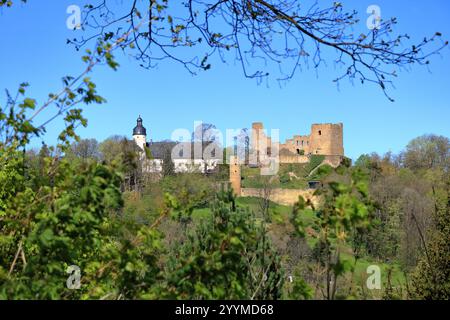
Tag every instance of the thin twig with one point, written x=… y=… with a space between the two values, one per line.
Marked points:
x=19 y=249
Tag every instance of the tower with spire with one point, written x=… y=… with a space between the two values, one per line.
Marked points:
x=140 y=134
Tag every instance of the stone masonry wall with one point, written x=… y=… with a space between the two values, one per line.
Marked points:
x=285 y=197
x=293 y=159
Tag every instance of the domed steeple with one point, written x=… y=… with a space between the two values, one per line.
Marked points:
x=139 y=130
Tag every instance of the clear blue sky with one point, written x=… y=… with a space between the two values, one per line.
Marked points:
x=33 y=49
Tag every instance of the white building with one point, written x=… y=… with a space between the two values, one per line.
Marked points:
x=181 y=153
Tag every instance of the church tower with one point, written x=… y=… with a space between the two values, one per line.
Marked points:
x=140 y=134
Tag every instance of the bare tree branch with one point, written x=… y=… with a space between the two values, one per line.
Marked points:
x=259 y=34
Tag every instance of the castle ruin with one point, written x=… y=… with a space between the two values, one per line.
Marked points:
x=324 y=139
x=261 y=150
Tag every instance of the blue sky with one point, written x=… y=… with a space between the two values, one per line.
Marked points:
x=33 y=49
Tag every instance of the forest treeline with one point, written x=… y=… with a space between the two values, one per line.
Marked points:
x=137 y=235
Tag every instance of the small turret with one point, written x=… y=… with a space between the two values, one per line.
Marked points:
x=140 y=133
x=139 y=130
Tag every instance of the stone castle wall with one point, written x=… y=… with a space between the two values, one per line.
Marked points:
x=293 y=159
x=287 y=197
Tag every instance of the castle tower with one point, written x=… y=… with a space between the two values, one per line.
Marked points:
x=140 y=134
x=257 y=142
x=235 y=175
x=327 y=139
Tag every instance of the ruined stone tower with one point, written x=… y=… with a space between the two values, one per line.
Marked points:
x=326 y=139
x=235 y=175
x=261 y=144
x=257 y=128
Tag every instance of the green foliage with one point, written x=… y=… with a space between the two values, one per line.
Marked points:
x=431 y=279
x=427 y=152
x=11 y=177
x=290 y=176
x=64 y=231
x=9 y=3
x=168 y=167
x=191 y=190
x=84 y=149
x=55 y=212
x=72 y=223
x=225 y=257
x=322 y=172
x=124 y=156
x=148 y=153
x=223 y=172
x=363 y=161
x=299 y=288
x=143 y=207
x=298 y=212
x=346 y=162
x=61 y=206
x=314 y=161
x=345 y=210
